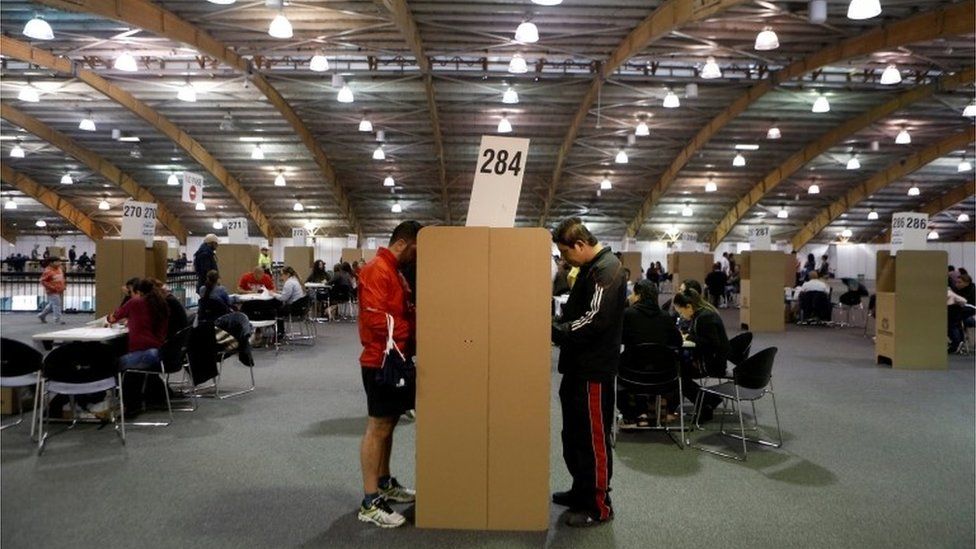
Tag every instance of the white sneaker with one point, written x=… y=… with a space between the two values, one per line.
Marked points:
x=380 y=514
x=398 y=494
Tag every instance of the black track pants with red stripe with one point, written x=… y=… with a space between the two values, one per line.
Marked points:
x=587 y=408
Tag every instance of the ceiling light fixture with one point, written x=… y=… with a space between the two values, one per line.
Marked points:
x=872 y=215
x=200 y=207
x=517 y=65
x=257 y=153
x=642 y=130
x=903 y=137
x=87 y=123
x=527 y=32
x=41 y=223
x=345 y=94
x=687 y=211
x=671 y=100
x=970 y=110
x=606 y=185
x=378 y=154
x=782 y=213
x=38 y=29
x=389 y=181
x=504 y=126
x=298 y=206
x=318 y=63
x=10 y=204
x=222 y=2
x=280 y=27
x=739 y=160
x=510 y=97
x=847 y=233
x=773 y=133
x=933 y=235
x=397 y=208
x=187 y=93
x=747 y=146
x=126 y=63
x=710 y=186
x=821 y=105
x=621 y=157
x=914 y=191
x=547 y=2
x=766 y=40
x=104 y=205
x=863 y=9
x=964 y=166
x=29 y=94
x=813 y=189
x=17 y=152
x=963 y=218
x=890 y=76
x=172 y=180
x=711 y=69
x=853 y=163
x=217 y=225
x=66 y=179
x=129 y=138
x=365 y=125
x=280 y=179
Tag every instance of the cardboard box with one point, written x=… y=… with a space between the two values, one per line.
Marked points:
x=233 y=260
x=300 y=258
x=632 y=261
x=57 y=251
x=910 y=309
x=483 y=391
x=349 y=255
x=118 y=261
x=761 y=291
x=689 y=265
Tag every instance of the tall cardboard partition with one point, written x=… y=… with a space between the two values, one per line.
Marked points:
x=233 y=260
x=761 y=292
x=349 y=255
x=118 y=261
x=300 y=258
x=911 y=311
x=57 y=251
x=632 y=261
x=483 y=386
x=693 y=265
x=157 y=260
x=368 y=254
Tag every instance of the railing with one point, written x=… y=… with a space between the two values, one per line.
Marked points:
x=22 y=291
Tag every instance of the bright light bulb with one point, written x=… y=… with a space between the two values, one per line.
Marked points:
x=863 y=9
x=621 y=157
x=890 y=75
x=365 y=125
x=200 y=207
x=739 y=160
x=642 y=129
x=66 y=179
x=104 y=205
x=517 y=65
x=504 y=126
x=397 y=208
x=963 y=218
x=318 y=63
x=547 y=2
x=257 y=153
x=872 y=215
x=389 y=182
x=41 y=223
x=17 y=152
x=126 y=63
x=172 y=180
x=298 y=207
x=280 y=27
x=782 y=213
x=29 y=94
x=821 y=105
x=527 y=32
x=766 y=40
x=38 y=29
x=773 y=133
x=510 y=97
x=606 y=185
x=87 y=124
x=222 y=2
x=344 y=95
x=378 y=154
x=847 y=233
x=280 y=179
x=10 y=205
x=187 y=93
x=813 y=189
x=671 y=101
x=218 y=225
x=687 y=211
x=964 y=166
x=710 y=186
x=970 y=110
x=711 y=69
x=853 y=163
x=914 y=191
x=933 y=235
x=903 y=137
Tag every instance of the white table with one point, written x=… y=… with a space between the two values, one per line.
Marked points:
x=688 y=344
x=263 y=296
x=317 y=285
x=46 y=339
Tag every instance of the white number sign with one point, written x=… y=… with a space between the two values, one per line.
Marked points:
x=759 y=238
x=497 y=181
x=237 y=230
x=139 y=221
x=299 y=237
x=909 y=231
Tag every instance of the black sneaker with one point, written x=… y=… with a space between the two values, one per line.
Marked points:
x=585 y=520
x=566 y=499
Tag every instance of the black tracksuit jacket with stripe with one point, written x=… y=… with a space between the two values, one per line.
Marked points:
x=589 y=330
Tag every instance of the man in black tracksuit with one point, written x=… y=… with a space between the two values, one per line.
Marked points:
x=588 y=334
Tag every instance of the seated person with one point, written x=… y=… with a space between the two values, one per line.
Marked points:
x=255 y=281
x=128 y=288
x=644 y=322
x=178 y=318
x=960 y=311
x=814 y=298
x=711 y=352
x=291 y=291
x=214 y=300
x=148 y=316
x=318 y=274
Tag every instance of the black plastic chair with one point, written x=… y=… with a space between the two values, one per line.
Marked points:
x=172 y=359
x=298 y=312
x=739 y=347
x=20 y=366
x=815 y=308
x=79 y=368
x=651 y=370
x=752 y=380
x=206 y=361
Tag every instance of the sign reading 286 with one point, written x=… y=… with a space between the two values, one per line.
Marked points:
x=499 y=162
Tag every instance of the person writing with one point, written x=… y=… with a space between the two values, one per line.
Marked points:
x=147 y=314
x=588 y=334
x=291 y=291
x=318 y=274
x=384 y=291
x=54 y=283
x=255 y=281
x=214 y=300
x=711 y=352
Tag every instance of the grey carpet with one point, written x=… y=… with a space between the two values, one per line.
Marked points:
x=873 y=458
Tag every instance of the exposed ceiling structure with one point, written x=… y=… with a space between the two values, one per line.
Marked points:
x=430 y=78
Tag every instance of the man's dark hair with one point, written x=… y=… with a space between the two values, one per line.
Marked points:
x=407 y=231
x=572 y=230
x=646 y=291
x=692 y=284
x=952 y=267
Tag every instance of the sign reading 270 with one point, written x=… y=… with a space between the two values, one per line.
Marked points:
x=500 y=161
x=138 y=211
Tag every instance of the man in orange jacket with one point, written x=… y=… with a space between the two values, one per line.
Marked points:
x=54 y=283
x=384 y=291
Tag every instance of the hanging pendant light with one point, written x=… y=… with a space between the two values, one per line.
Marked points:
x=890 y=75
x=257 y=153
x=527 y=32
x=687 y=211
x=766 y=40
x=813 y=189
x=642 y=130
x=200 y=207
x=280 y=179
x=853 y=163
x=172 y=180
x=126 y=63
x=510 y=97
x=397 y=208
x=710 y=186
x=187 y=93
x=863 y=9
x=847 y=233
x=222 y=2
x=518 y=65
x=38 y=29
x=821 y=105
x=970 y=110
x=782 y=213
x=671 y=100
x=773 y=133
x=872 y=215
x=963 y=218
x=711 y=69
x=606 y=185
x=621 y=157
x=318 y=63
x=964 y=166
x=365 y=125
x=739 y=160
x=933 y=235
x=298 y=206
x=389 y=182
x=17 y=152
x=504 y=126
x=345 y=94
x=10 y=204
x=104 y=205
x=914 y=191
x=217 y=225
x=41 y=223
x=29 y=94
x=547 y=2
x=87 y=123
x=67 y=180
x=903 y=137
x=280 y=27
x=378 y=154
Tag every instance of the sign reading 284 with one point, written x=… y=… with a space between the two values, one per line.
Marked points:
x=501 y=161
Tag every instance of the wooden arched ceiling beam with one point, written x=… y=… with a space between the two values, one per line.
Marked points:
x=954 y=196
x=152 y=18
x=828 y=140
x=660 y=23
x=956 y=19
x=23 y=51
x=8 y=233
x=405 y=23
x=52 y=200
x=97 y=164
x=880 y=180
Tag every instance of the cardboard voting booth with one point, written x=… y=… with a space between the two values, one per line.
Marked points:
x=632 y=262
x=233 y=260
x=120 y=260
x=349 y=255
x=693 y=265
x=483 y=378
x=911 y=309
x=761 y=279
x=300 y=258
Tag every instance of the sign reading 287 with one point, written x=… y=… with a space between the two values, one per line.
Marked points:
x=501 y=161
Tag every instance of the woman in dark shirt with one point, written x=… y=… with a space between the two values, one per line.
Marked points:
x=148 y=315
x=710 y=354
x=214 y=300
x=318 y=273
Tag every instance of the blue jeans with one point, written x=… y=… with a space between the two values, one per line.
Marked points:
x=53 y=306
x=140 y=360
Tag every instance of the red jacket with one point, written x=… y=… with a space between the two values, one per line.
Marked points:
x=382 y=289
x=53 y=280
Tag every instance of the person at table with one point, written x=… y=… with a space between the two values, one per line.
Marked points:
x=264 y=259
x=84 y=262
x=147 y=316
x=205 y=258
x=318 y=275
x=128 y=288
x=54 y=283
x=214 y=300
x=178 y=318
x=710 y=354
x=644 y=322
x=254 y=281
x=960 y=311
x=291 y=291
x=716 y=281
